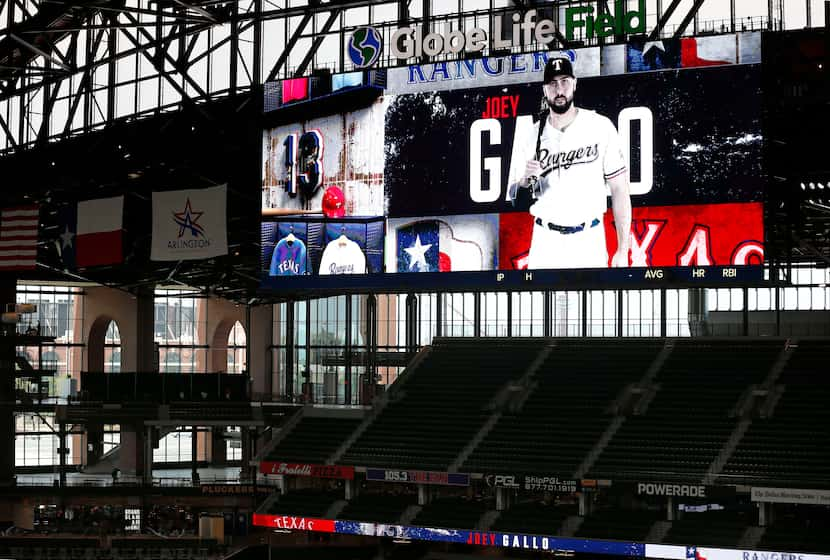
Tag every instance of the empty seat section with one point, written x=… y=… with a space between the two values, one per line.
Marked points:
x=690 y=418
x=306 y=503
x=618 y=525
x=711 y=528
x=452 y=513
x=533 y=517
x=313 y=440
x=379 y=508
x=567 y=412
x=785 y=449
x=442 y=406
x=803 y=530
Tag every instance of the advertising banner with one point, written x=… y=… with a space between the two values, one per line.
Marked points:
x=418 y=477
x=790 y=496
x=672 y=552
x=303 y=469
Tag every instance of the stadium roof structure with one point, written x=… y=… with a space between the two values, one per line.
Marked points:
x=68 y=135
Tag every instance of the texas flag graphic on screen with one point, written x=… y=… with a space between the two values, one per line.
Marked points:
x=434 y=246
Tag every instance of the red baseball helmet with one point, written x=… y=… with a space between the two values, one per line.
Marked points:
x=334 y=203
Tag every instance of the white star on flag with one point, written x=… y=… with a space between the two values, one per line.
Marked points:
x=653 y=45
x=417 y=254
x=66 y=238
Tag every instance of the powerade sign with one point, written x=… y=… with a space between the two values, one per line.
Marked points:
x=418 y=477
x=410 y=42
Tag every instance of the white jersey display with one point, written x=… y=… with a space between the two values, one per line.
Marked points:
x=571 y=198
x=576 y=163
x=343 y=256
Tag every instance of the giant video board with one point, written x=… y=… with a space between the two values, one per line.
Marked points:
x=412 y=190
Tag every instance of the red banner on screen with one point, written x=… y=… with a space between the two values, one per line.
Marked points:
x=303 y=469
x=686 y=235
x=294 y=523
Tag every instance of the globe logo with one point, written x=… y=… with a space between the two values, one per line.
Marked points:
x=364 y=46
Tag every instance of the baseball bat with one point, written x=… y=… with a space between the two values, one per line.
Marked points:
x=287 y=212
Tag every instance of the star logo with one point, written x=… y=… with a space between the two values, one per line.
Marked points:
x=417 y=255
x=188 y=219
x=658 y=45
x=67 y=238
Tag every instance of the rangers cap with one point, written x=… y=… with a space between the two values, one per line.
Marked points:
x=558 y=67
x=334 y=203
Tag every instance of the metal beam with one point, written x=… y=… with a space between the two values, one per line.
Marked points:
x=686 y=20
x=663 y=20
x=318 y=40
x=23 y=42
x=289 y=46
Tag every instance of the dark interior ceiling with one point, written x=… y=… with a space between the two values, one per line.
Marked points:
x=217 y=144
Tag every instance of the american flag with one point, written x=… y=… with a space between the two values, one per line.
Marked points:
x=18 y=237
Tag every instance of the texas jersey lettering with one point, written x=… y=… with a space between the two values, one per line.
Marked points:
x=289 y=258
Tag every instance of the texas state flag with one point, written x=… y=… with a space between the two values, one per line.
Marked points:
x=644 y=56
x=91 y=233
x=708 y=51
x=417 y=249
x=692 y=553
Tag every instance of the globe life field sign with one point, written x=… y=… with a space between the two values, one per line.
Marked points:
x=411 y=42
x=365 y=47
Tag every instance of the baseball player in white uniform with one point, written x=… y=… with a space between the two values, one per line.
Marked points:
x=568 y=165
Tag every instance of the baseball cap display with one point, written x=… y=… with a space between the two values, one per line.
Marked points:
x=558 y=67
x=334 y=203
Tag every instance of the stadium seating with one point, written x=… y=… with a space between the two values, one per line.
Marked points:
x=689 y=421
x=452 y=512
x=313 y=439
x=306 y=502
x=782 y=450
x=804 y=530
x=534 y=517
x=378 y=508
x=627 y=525
x=719 y=528
x=442 y=406
x=566 y=414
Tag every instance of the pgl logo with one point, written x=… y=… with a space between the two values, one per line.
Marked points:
x=501 y=481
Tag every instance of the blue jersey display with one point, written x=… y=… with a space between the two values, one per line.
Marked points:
x=289 y=258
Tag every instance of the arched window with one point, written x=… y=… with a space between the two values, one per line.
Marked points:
x=112 y=348
x=236 y=349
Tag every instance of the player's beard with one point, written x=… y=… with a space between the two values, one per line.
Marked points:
x=560 y=109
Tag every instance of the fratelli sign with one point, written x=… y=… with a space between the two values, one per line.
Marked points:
x=412 y=41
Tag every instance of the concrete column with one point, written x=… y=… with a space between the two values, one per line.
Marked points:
x=131 y=453
x=218 y=448
x=351 y=490
x=766 y=516
x=259 y=336
x=144 y=340
x=501 y=499
x=423 y=495
x=8 y=294
x=584 y=505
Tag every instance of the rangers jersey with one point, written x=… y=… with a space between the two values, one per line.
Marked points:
x=576 y=163
x=343 y=256
x=289 y=258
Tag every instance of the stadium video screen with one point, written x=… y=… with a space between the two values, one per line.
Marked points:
x=426 y=187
